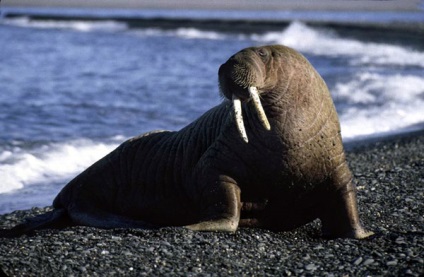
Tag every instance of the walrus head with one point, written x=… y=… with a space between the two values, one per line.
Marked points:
x=245 y=76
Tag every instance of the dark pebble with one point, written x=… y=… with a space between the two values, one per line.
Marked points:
x=390 y=177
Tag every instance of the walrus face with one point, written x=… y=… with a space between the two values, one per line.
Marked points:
x=243 y=77
x=245 y=69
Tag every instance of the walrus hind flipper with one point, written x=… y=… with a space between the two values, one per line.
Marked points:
x=57 y=218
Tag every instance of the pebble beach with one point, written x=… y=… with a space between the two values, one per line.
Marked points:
x=390 y=178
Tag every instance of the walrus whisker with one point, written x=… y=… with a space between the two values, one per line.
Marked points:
x=258 y=105
x=239 y=118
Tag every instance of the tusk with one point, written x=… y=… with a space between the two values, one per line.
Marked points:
x=259 y=109
x=239 y=118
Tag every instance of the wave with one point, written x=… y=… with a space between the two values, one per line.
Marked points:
x=53 y=162
x=297 y=35
x=111 y=26
x=185 y=33
x=77 y=25
x=311 y=40
x=323 y=42
x=379 y=103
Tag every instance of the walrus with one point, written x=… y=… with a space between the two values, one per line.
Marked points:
x=269 y=156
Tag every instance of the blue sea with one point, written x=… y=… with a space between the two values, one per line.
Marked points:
x=71 y=90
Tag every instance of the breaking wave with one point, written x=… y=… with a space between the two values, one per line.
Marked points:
x=185 y=33
x=77 y=25
x=321 y=42
x=379 y=103
x=297 y=35
x=21 y=166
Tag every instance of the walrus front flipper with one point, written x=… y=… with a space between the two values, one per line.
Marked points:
x=222 y=206
x=57 y=218
x=340 y=216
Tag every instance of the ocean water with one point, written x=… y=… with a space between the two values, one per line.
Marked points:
x=73 y=90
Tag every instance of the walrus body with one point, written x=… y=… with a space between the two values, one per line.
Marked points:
x=205 y=177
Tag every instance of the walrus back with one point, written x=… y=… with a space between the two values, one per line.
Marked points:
x=147 y=177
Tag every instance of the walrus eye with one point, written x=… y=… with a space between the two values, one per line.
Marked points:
x=262 y=53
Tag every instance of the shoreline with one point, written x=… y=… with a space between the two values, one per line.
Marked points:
x=366 y=142
x=389 y=173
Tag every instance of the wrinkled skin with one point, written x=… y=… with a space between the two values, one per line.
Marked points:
x=207 y=177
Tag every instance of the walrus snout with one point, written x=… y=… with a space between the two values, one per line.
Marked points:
x=243 y=70
x=229 y=83
x=239 y=80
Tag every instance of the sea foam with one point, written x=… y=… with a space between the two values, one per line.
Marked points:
x=77 y=25
x=392 y=102
x=52 y=162
x=185 y=33
x=324 y=42
x=311 y=40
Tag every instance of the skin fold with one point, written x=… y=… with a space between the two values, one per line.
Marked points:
x=269 y=156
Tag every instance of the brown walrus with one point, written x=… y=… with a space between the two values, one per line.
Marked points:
x=269 y=156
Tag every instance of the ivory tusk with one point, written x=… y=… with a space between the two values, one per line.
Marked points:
x=239 y=118
x=258 y=106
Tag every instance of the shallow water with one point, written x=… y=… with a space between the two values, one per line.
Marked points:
x=71 y=91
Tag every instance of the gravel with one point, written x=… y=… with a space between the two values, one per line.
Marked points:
x=390 y=178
